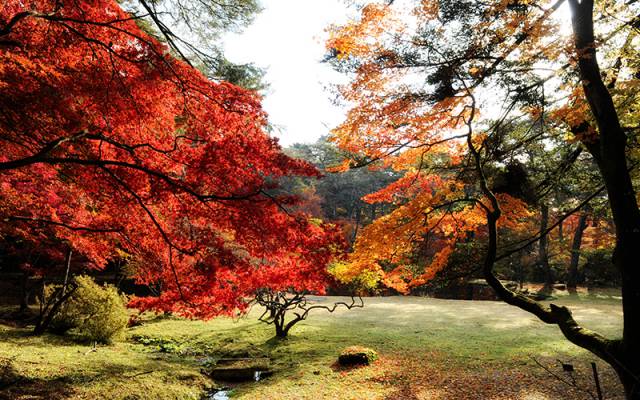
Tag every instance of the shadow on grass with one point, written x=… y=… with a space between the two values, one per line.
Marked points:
x=19 y=335
x=62 y=383
x=57 y=367
x=14 y=385
x=15 y=317
x=36 y=389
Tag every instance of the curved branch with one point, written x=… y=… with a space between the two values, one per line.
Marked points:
x=13 y=21
x=40 y=154
x=554 y=314
x=63 y=225
x=40 y=158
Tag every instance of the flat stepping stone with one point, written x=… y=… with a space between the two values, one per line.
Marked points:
x=241 y=370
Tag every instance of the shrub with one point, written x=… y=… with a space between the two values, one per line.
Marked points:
x=97 y=313
x=64 y=319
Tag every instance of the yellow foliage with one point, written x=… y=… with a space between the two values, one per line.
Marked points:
x=395 y=117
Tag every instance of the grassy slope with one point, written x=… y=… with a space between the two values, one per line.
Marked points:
x=429 y=349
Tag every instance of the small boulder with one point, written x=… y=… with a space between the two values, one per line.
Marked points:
x=357 y=355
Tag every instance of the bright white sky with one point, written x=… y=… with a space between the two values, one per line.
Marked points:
x=287 y=39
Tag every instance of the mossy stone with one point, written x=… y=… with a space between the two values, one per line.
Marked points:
x=357 y=355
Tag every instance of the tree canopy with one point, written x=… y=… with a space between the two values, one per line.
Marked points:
x=116 y=148
x=436 y=85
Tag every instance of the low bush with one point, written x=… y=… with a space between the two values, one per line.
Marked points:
x=94 y=312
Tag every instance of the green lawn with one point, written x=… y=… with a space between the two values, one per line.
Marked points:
x=429 y=349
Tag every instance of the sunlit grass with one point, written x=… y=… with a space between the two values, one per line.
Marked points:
x=422 y=342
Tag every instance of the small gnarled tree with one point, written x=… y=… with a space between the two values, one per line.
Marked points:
x=279 y=305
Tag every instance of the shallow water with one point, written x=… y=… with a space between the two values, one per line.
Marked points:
x=220 y=395
x=224 y=394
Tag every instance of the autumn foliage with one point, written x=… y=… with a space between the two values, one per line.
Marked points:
x=114 y=147
x=422 y=103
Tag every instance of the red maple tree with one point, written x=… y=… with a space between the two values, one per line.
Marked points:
x=115 y=147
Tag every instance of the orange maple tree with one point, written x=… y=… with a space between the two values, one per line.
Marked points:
x=435 y=85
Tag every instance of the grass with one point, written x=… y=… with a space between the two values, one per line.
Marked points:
x=429 y=349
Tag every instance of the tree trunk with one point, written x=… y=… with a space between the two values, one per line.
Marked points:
x=357 y=224
x=52 y=306
x=560 y=231
x=279 y=322
x=543 y=251
x=44 y=319
x=280 y=332
x=608 y=149
x=25 y=293
x=282 y=328
x=629 y=381
x=572 y=275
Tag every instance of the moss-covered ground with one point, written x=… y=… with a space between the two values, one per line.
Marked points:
x=429 y=349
